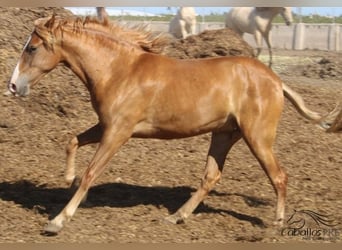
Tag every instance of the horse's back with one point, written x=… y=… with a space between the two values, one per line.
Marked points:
x=197 y=96
x=224 y=73
x=207 y=68
x=240 y=19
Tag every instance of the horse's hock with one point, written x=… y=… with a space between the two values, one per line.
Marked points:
x=209 y=43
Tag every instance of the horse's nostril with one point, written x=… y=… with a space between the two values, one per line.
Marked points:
x=12 y=87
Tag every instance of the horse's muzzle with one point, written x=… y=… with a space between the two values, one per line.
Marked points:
x=21 y=91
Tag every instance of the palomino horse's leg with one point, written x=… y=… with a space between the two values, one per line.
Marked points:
x=258 y=40
x=92 y=135
x=260 y=137
x=193 y=27
x=269 y=46
x=182 y=25
x=111 y=141
x=219 y=148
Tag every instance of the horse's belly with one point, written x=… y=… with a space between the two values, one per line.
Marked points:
x=179 y=129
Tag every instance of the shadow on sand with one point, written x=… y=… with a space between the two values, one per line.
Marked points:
x=46 y=200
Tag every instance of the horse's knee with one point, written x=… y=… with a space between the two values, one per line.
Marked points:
x=208 y=182
x=72 y=145
x=211 y=177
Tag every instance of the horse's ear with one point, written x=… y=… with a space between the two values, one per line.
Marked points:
x=43 y=27
x=40 y=21
x=46 y=22
x=49 y=24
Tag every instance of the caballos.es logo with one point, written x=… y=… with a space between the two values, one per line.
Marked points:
x=310 y=225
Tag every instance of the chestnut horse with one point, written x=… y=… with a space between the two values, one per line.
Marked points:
x=137 y=93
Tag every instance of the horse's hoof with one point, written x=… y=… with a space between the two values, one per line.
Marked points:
x=51 y=229
x=175 y=219
x=278 y=223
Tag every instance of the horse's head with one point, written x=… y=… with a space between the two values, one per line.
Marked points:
x=286 y=13
x=38 y=57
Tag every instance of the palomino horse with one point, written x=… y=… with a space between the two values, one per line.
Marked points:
x=136 y=93
x=258 y=22
x=184 y=23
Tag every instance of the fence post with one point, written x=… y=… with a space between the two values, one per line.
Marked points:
x=334 y=37
x=298 y=36
x=337 y=37
x=331 y=34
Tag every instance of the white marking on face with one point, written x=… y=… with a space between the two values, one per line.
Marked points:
x=15 y=74
x=28 y=41
x=16 y=71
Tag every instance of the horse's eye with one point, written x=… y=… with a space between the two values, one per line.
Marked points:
x=31 y=49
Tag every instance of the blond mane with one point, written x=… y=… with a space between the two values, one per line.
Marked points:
x=134 y=35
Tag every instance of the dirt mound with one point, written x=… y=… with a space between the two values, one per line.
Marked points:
x=209 y=43
x=327 y=67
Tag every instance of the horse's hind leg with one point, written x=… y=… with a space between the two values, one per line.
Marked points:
x=269 y=46
x=219 y=148
x=258 y=40
x=92 y=135
x=260 y=140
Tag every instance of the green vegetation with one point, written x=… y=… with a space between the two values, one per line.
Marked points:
x=161 y=18
x=311 y=19
x=214 y=17
x=168 y=17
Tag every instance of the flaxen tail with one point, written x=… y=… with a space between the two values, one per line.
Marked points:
x=324 y=122
x=336 y=125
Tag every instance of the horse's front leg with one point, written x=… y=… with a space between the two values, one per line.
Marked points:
x=193 y=27
x=267 y=38
x=92 y=135
x=113 y=137
x=182 y=25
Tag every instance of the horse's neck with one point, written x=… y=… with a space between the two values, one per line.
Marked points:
x=92 y=61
